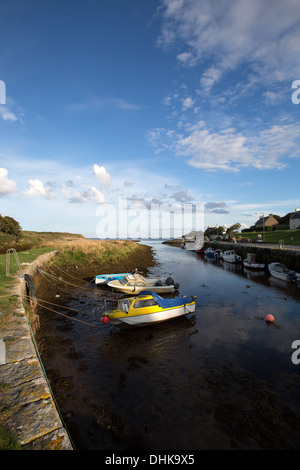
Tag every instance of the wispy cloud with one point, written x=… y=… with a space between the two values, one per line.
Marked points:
x=100 y=102
x=229 y=149
x=262 y=34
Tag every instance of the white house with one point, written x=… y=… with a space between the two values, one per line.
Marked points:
x=295 y=220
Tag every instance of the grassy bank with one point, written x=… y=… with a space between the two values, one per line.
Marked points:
x=289 y=237
x=74 y=252
x=30 y=240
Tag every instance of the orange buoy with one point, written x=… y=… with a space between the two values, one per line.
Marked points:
x=269 y=318
x=104 y=319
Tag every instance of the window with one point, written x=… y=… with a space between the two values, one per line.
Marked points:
x=144 y=303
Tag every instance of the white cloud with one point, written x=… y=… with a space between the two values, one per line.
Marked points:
x=101 y=174
x=7 y=115
x=97 y=195
x=7 y=186
x=37 y=188
x=187 y=103
x=262 y=34
x=229 y=149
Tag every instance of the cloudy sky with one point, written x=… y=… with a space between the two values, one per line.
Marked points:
x=175 y=102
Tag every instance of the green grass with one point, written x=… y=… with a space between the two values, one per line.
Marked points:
x=8 y=298
x=8 y=441
x=274 y=236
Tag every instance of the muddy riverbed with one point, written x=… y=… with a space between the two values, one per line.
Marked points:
x=219 y=379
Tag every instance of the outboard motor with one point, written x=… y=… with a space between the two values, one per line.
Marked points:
x=293 y=276
x=169 y=281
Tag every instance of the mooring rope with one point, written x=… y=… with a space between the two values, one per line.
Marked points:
x=63 y=271
x=45 y=275
x=60 y=313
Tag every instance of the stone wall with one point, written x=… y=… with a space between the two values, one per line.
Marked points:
x=34 y=417
x=289 y=257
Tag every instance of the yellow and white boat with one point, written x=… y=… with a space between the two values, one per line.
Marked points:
x=135 y=283
x=147 y=308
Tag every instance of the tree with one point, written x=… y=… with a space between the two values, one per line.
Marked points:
x=10 y=226
x=233 y=228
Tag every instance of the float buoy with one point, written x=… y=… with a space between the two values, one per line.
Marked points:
x=104 y=319
x=269 y=318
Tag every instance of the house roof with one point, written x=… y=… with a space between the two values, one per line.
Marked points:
x=296 y=215
x=265 y=219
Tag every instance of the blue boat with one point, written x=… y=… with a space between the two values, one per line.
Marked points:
x=209 y=252
x=104 y=278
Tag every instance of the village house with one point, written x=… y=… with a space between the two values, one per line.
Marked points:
x=268 y=221
x=295 y=220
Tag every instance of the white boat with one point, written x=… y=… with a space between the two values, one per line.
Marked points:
x=280 y=271
x=148 y=308
x=209 y=252
x=218 y=254
x=250 y=262
x=135 y=283
x=231 y=257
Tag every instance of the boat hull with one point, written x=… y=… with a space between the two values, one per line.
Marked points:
x=154 y=317
x=135 y=283
x=280 y=271
x=253 y=265
x=147 y=308
x=231 y=257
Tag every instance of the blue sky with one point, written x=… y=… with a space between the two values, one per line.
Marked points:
x=173 y=102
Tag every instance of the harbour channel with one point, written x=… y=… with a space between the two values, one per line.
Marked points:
x=221 y=378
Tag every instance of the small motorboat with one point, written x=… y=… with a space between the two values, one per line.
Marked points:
x=147 y=308
x=218 y=254
x=231 y=257
x=135 y=283
x=250 y=262
x=209 y=252
x=280 y=271
x=105 y=278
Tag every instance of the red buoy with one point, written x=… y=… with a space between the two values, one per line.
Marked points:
x=269 y=318
x=104 y=319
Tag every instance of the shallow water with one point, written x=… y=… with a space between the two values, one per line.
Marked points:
x=218 y=379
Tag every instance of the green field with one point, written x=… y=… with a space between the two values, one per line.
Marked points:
x=289 y=237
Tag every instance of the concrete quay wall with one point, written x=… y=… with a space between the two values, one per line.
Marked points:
x=33 y=416
x=290 y=256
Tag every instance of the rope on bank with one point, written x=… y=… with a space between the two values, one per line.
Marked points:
x=63 y=271
x=38 y=302
x=45 y=275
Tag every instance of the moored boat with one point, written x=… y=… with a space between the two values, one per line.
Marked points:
x=250 y=262
x=147 y=308
x=280 y=271
x=209 y=252
x=231 y=257
x=218 y=254
x=135 y=283
x=104 y=278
